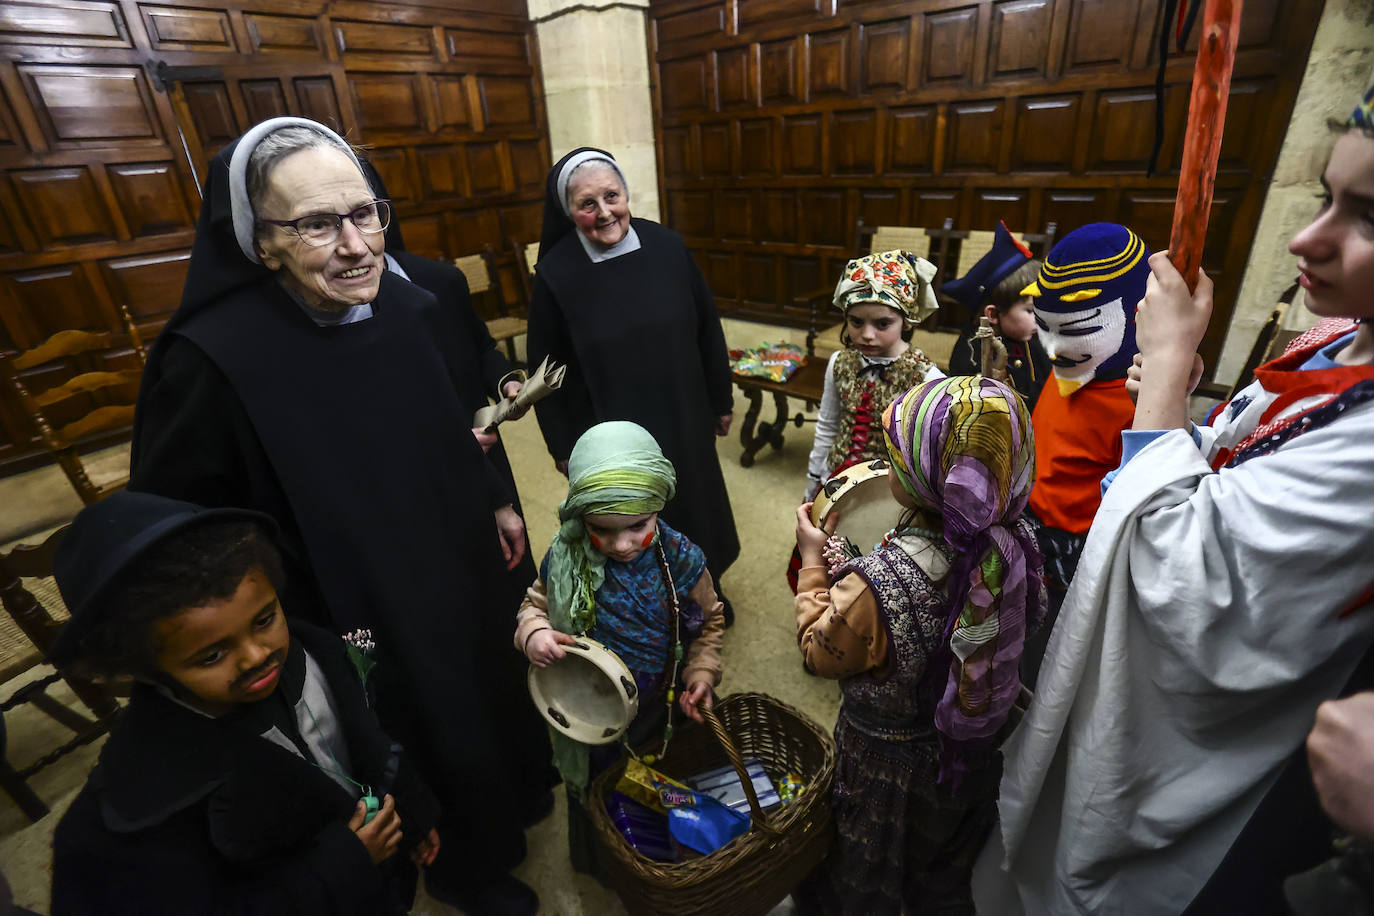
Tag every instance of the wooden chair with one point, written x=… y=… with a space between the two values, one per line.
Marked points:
x=34 y=614
x=484 y=281
x=525 y=256
x=117 y=391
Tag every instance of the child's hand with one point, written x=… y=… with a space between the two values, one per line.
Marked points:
x=382 y=834
x=697 y=694
x=1170 y=321
x=544 y=647
x=485 y=439
x=427 y=849
x=810 y=539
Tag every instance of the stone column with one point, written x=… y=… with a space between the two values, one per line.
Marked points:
x=595 y=61
x=1339 y=69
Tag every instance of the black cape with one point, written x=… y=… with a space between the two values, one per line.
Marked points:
x=642 y=342
x=190 y=814
x=355 y=439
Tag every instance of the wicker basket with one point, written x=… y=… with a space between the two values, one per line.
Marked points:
x=755 y=871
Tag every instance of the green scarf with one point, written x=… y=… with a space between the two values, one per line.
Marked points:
x=615 y=468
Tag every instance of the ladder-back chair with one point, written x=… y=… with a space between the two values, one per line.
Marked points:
x=34 y=614
x=109 y=397
x=485 y=282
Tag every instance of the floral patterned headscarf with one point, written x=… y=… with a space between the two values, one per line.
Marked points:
x=962 y=447
x=897 y=279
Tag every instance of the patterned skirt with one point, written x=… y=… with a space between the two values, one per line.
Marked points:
x=905 y=843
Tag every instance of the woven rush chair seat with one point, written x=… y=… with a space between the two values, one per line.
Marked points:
x=484 y=282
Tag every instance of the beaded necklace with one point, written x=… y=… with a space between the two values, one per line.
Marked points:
x=670 y=682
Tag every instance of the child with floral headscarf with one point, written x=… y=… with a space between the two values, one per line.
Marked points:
x=925 y=635
x=607 y=575
x=883 y=297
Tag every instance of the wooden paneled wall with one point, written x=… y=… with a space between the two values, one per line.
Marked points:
x=102 y=149
x=782 y=122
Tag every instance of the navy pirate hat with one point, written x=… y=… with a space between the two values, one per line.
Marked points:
x=973 y=288
x=109 y=537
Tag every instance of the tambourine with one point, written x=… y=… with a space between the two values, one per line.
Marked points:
x=860 y=494
x=588 y=694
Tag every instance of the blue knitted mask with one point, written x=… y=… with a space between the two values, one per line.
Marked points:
x=1085 y=301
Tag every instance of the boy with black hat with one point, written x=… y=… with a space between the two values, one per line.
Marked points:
x=247 y=773
x=992 y=288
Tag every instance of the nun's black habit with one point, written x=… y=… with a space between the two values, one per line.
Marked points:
x=356 y=439
x=483 y=365
x=642 y=341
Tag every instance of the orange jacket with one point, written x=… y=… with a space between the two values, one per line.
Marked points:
x=1077 y=441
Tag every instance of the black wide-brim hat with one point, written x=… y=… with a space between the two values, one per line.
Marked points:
x=107 y=538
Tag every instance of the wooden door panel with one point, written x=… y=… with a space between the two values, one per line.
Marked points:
x=1045 y=128
x=75 y=23
x=692 y=23
x=756 y=147
x=975 y=136
x=828 y=63
x=451 y=100
x=263 y=99
x=778 y=71
x=149 y=198
x=289 y=34
x=854 y=142
x=778 y=216
x=802 y=152
x=150 y=285
x=911 y=134
x=949 y=46
x=386 y=101
x=715 y=150
x=884 y=52
x=172 y=29
x=81 y=106
x=1020 y=39
x=64 y=206
x=733 y=86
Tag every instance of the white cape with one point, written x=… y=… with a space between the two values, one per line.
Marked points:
x=1201 y=631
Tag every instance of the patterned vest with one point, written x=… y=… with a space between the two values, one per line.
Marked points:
x=863 y=400
x=912 y=606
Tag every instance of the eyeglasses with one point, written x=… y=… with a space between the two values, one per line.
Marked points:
x=320 y=229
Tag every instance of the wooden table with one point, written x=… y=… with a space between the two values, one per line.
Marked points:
x=807 y=383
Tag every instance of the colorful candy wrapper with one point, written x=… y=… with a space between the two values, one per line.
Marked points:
x=698 y=821
x=640 y=784
x=790 y=787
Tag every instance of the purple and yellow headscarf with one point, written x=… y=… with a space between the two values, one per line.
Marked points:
x=962 y=447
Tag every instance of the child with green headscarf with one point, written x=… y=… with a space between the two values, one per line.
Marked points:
x=612 y=573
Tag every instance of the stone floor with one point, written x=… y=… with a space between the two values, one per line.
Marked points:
x=760 y=651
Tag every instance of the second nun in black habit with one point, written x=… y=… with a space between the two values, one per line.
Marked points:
x=300 y=379
x=621 y=302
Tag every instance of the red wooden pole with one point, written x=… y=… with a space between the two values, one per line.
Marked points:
x=1216 y=54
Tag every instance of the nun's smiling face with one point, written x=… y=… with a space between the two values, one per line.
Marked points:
x=347 y=271
x=599 y=204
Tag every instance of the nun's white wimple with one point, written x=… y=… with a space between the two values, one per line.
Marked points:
x=240 y=207
x=565 y=173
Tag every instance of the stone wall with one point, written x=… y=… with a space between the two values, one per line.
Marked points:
x=1339 y=68
x=595 y=61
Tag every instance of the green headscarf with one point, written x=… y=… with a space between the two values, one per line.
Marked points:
x=615 y=467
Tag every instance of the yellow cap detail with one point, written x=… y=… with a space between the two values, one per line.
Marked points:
x=1066 y=386
x=1079 y=295
x=1032 y=290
